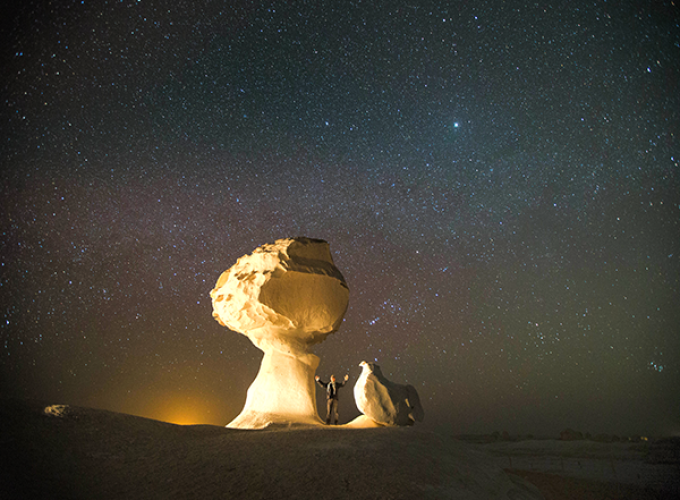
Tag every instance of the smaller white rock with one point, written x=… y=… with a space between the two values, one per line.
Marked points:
x=384 y=401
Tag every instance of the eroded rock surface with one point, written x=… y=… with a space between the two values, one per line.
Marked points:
x=386 y=402
x=285 y=297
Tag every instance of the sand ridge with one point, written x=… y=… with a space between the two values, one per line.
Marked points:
x=85 y=453
x=64 y=452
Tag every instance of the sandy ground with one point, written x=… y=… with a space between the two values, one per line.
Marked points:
x=55 y=452
x=592 y=470
x=654 y=464
x=555 y=487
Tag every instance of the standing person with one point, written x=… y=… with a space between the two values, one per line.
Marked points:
x=331 y=396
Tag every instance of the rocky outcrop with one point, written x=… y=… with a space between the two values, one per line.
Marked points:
x=386 y=402
x=285 y=297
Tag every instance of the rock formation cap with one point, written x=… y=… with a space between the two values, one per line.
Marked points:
x=287 y=294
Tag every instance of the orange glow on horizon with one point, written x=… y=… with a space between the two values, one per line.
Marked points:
x=183 y=416
x=182 y=410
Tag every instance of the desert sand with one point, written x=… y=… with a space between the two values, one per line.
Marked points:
x=592 y=470
x=57 y=452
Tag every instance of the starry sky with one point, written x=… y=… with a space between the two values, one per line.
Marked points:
x=499 y=183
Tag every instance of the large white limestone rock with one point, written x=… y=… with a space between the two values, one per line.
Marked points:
x=285 y=297
x=385 y=402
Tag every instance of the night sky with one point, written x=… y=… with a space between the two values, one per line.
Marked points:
x=499 y=183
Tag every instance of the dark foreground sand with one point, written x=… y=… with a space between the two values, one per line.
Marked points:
x=54 y=452
x=555 y=487
x=593 y=470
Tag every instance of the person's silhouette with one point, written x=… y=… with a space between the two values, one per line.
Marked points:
x=332 y=388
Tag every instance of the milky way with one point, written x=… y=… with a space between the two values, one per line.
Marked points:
x=498 y=182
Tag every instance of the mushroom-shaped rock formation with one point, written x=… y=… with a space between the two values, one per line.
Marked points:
x=285 y=297
x=385 y=402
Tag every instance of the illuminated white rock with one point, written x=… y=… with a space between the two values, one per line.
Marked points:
x=285 y=297
x=385 y=402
